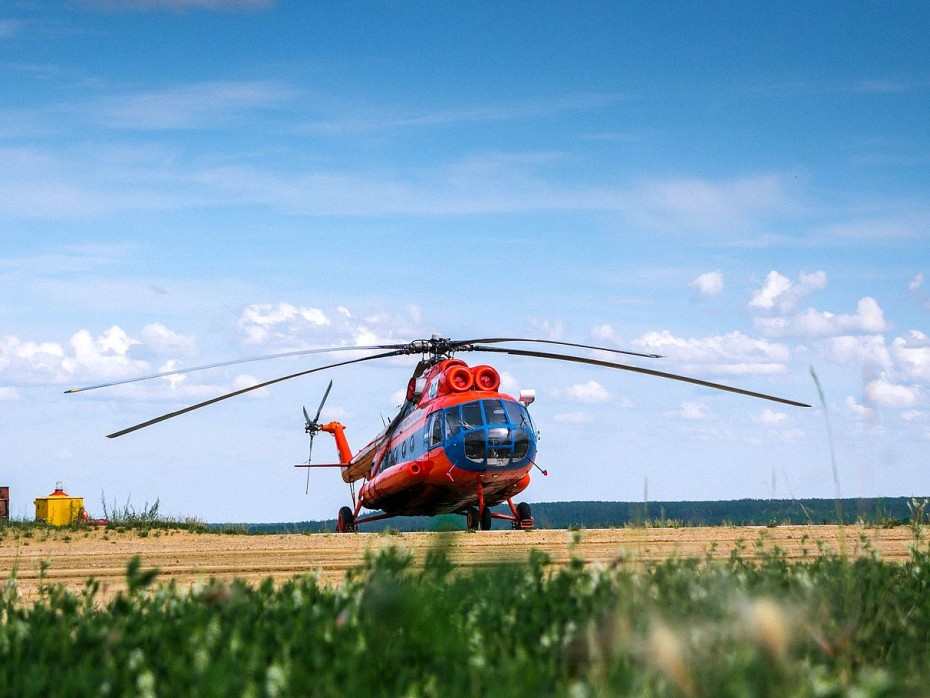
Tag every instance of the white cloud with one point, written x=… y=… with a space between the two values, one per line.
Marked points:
x=572 y=418
x=911 y=355
x=7 y=393
x=775 y=285
x=886 y=394
x=106 y=357
x=868 y=319
x=87 y=181
x=857 y=349
x=178 y=5
x=770 y=417
x=16 y=352
x=861 y=411
x=112 y=355
x=261 y=322
x=509 y=384
x=9 y=27
x=591 y=392
x=164 y=342
x=194 y=106
x=888 y=229
x=381 y=119
x=733 y=353
x=283 y=326
x=691 y=203
x=246 y=381
x=916 y=282
x=779 y=292
x=694 y=411
x=708 y=284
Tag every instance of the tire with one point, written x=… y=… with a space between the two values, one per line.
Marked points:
x=471 y=519
x=345 y=522
x=486 y=519
x=524 y=517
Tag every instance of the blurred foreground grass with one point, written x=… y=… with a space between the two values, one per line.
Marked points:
x=823 y=626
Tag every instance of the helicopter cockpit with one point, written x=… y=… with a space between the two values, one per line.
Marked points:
x=488 y=433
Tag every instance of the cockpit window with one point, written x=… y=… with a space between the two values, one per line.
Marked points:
x=519 y=417
x=495 y=433
x=452 y=421
x=436 y=430
x=494 y=412
x=471 y=415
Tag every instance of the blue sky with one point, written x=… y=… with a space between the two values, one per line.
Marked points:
x=742 y=187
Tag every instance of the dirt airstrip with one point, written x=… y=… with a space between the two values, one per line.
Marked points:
x=69 y=558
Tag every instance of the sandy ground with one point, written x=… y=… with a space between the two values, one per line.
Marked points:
x=70 y=557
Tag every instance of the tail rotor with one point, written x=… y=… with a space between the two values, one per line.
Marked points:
x=312 y=426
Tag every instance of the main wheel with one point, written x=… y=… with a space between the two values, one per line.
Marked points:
x=345 y=522
x=524 y=517
x=471 y=519
x=486 y=519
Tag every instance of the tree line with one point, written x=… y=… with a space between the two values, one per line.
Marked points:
x=880 y=511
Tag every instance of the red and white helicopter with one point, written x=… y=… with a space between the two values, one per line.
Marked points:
x=457 y=444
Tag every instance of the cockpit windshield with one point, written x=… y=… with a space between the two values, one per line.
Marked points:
x=490 y=432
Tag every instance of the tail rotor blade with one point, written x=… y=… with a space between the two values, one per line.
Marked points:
x=323 y=402
x=307 y=488
x=313 y=426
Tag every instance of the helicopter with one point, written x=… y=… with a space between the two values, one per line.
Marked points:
x=457 y=445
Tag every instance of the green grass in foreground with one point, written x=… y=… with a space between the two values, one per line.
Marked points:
x=825 y=626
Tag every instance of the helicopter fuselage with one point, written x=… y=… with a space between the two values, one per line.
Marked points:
x=457 y=443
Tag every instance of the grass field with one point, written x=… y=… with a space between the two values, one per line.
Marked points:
x=800 y=611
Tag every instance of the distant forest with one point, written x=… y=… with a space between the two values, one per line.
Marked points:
x=740 y=512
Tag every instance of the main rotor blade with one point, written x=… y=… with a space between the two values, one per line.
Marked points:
x=637 y=369
x=322 y=402
x=234 y=362
x=498 y=340
x=414 y=347
x=249 y=389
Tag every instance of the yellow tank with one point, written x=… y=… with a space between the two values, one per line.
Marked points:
x=59 y=509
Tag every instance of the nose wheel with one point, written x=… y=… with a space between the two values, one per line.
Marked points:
x=476 y=518
x=484 y=518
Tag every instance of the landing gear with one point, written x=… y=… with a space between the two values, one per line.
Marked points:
x=476 y=518
x=485 y=518
x=524 y=520
x=345 y=522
